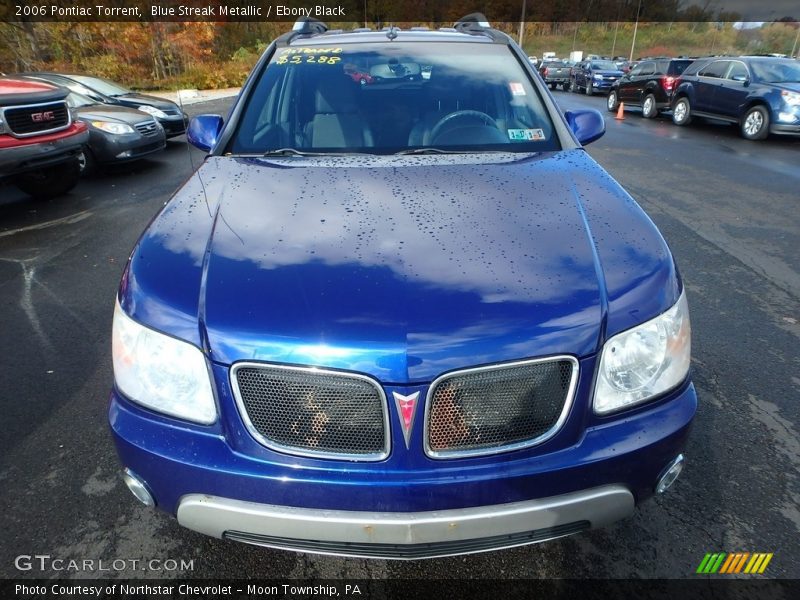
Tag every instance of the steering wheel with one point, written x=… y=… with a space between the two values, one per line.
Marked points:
x=475 y=115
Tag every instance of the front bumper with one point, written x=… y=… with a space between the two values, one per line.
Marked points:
x=405 y=535
x=32 y=156
x=126 y=147
x=218 y=480
x=174 y=125
x=785 y=129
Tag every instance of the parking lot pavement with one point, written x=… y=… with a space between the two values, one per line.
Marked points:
x=729 y=210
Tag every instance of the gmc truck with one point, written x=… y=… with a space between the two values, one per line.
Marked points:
x=39 y=141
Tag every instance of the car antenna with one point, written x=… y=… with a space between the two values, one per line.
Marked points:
x=191 y=160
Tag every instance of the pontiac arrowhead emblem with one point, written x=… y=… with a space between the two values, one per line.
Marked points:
x=407 y=409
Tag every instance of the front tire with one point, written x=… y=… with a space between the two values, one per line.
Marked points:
x=682 y=112
x=590 y=89
x=86 y=162
x=612 y=103
x=649 y=108
x=573 y=86
x=52 y=182
x=755 y=124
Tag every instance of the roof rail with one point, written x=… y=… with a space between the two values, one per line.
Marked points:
x=477 y=24
x=472 y=20
x=306 y=26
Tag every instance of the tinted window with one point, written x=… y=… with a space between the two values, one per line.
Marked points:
x=104 y=86
x=677 y=67
x=554 y=63
x=376 y=98
x=637 y=70
x=715 y=69
x=648 y=68
x=776 y=70
x=738 y=71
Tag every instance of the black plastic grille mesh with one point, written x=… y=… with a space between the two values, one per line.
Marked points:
x=498 y=407
x=317 y=412
x=31 y=119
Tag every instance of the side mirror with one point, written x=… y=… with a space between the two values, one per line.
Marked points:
x=587 y=125
x=203 y=131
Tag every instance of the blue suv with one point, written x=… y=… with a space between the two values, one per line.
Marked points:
x=403 y=318
x=759 y=94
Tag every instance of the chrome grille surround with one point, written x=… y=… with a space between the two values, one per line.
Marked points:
x=520 y=368
x=304 y=380
x=147 y=128
x=20 y=124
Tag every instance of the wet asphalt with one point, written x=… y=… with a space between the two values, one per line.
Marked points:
x=730 y=210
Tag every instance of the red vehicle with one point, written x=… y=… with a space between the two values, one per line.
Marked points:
x=358 y=76
x=39 y=141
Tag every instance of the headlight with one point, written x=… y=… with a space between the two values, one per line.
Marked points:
x=152 y=110
x=791 y=98
x=110 y=127
x=643 y=362
x=161 y=372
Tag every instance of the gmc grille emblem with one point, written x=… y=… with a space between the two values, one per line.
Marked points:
x=48 y=115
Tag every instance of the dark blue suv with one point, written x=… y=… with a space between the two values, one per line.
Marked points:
x=760 y=94
x=404 y=318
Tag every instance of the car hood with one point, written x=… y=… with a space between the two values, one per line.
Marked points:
x=135 y=99
x=789 y=86
x=400 y=267
x=107 y=112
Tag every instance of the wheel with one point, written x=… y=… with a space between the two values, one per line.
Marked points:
x=50 y=182
x=682 y=112
x=649 y=109
x=612 y=102
x=565 y=86
x=589 y=89
x=755 y=123
x=86 y=162
x=573 y=86
x=552 y=86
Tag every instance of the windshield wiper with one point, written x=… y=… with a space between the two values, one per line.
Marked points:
x=443 y=151
x=290 y=152
x=429 y=151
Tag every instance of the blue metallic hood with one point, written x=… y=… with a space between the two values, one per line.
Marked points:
x=400 y=267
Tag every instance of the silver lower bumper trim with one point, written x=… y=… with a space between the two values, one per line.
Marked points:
x=405 y=535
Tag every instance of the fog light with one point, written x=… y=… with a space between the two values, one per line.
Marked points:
x=785 y=116
x=138 y=488
x=125 y=154
x=670 y=474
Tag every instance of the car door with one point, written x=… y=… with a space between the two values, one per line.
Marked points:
x=627 y=84
x=709 y=79
x=733 y=90
x=647 y=72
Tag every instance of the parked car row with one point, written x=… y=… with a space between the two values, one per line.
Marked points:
x=55 y=127
x=760 y=94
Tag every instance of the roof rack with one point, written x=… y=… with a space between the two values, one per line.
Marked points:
x=477 y=24
x=304 y=26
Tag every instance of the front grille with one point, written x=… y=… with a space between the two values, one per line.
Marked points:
x=39 y=118
x=498 y=408
x=313 y=412
x=147 y=128
x=409 y=551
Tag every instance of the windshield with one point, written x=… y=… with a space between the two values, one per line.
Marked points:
x=776 y=71
x=103 y=86
x=394 y=97
x=76 y=100
x=604 y=65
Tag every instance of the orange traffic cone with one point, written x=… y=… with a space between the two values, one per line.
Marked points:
x=620 y=112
